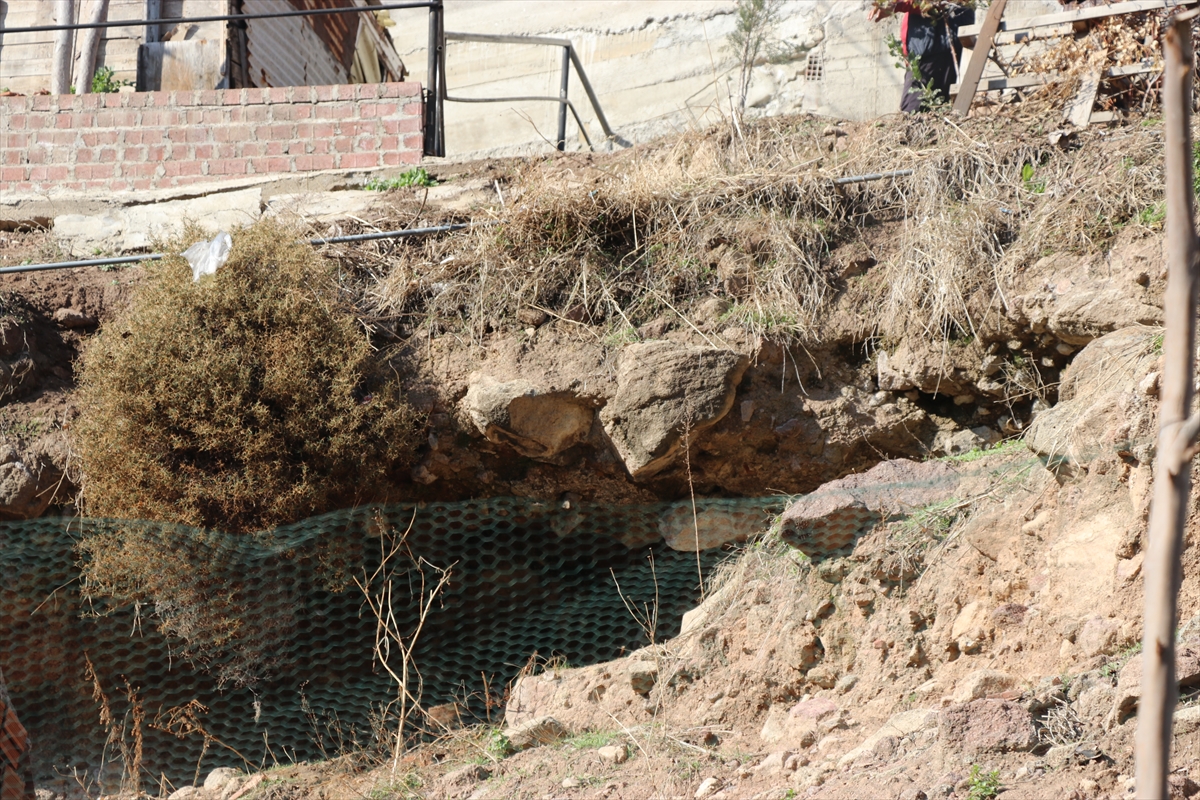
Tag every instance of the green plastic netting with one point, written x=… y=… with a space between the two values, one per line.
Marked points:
x=528 y=577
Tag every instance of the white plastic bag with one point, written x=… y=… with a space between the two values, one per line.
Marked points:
x=207 y=257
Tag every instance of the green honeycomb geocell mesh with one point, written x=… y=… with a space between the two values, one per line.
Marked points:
x=527 y=577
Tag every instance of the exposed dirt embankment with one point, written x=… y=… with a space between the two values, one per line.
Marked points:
x=712 y=314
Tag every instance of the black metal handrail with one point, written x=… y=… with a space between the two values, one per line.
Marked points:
x=570 y=57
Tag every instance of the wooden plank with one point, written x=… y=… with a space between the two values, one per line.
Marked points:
x=1079 y=15
x=1079 y=111
x=1037 y=78
x=1104 y=116
x=979 y=56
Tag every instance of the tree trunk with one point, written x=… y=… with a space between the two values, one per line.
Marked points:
x=60 y=70
x=1176 y=432
x=89 y=48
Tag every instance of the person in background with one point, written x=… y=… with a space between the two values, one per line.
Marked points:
x=929 y=32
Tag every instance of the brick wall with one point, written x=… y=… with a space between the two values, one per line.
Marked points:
x=149 y=140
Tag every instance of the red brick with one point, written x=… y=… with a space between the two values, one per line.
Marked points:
x=414 y=142
x=228 y=166
x=414 y=109
x=82 y=119
x=14 y=173
x=254 y=97
x=58 y=172
x=342 y=144
x=389 y=142
x=323 y=130
x=197 y=135
x=335 y=111
x=107 y=155
x=390 y=90
x=112 y=100
x=156 y=153
x=142 y=184
x=23 y=186
x=190 y=168
x=14 y=141
x=136 y=153
x=318 y=146
x=205 y=151
x=410 y=156
x=36 y=122
x=410 y=124
x=14 y=105
x=90 y=101
x=10 y=158
x=17 y=122
x=297 y=148
x=232 y=133
x=179 y=152
x=210 y=97
x=275 y=148
x=138 y=170
x=255 y=114
x=280 y=165
x=232 y=97
x=359 y=160
x=93 y=171
x=177 y=135
x=36 y=155
x=282 y=113
x=93 y=138
x=225 y=150
x=345 y=91
x=133 y=99
x=282 y=131
x=278 y=94
x=302 y=112
x=152 y=136
x=370 y=110
x=324 y=94
x=84 y=155
x=210 y=117
x=42 y=102
x=67 y=138
x=233 y=114
x=251 y=149
x=159 y=100
x=62 y=121
x=304 y=130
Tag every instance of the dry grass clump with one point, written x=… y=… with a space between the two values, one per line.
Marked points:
x=247 y=400
x=622 y=240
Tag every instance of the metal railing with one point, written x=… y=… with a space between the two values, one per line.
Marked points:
x=569 y=58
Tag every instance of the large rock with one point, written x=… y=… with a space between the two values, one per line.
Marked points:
x=665 y=389
x=535 y=424
x=827 y=522
x=535 y=732
x=1101 y=410
x=987 y=726
x=923 y=368
x=717 y=526
x=905 y=723
x=1078 y=300
x=32 y=476
x=1129 y=680
x=586 y=698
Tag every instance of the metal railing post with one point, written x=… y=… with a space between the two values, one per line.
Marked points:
x=435 y=83
x=562 y=92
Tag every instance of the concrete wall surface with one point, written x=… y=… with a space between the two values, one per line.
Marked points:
x=658 y=66
x=150 y=140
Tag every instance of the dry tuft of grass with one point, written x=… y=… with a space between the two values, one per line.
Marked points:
x=249 y=399
x=755 y=219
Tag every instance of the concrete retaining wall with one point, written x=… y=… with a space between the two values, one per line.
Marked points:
x=150 y=140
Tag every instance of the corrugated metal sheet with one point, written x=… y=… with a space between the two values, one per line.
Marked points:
x=292 y=51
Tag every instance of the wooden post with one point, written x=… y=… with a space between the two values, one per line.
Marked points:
x=89 y=47
x=969 y=81
x=1177 y=431
x=60 y=68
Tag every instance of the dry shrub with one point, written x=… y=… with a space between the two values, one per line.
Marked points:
x=250 y=399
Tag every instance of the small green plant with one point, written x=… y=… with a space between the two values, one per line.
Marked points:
x=1156 y=344
x=498 y=745
x=413 y=177
x=931 y=98
x=1120 y=659
x=933 y=520
x=105 y=82
x=1027 y=177
x=589 y=740
x=403 y=786
x=1003 y=448
x=1152 y=216
x=983 y=785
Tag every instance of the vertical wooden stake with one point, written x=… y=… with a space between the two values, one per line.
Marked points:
x=1176 y=432
x=64 y=48
x=89 y=47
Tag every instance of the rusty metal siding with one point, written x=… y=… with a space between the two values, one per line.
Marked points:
x=292 y=51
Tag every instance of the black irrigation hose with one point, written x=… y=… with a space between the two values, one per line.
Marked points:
x=358 y=237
